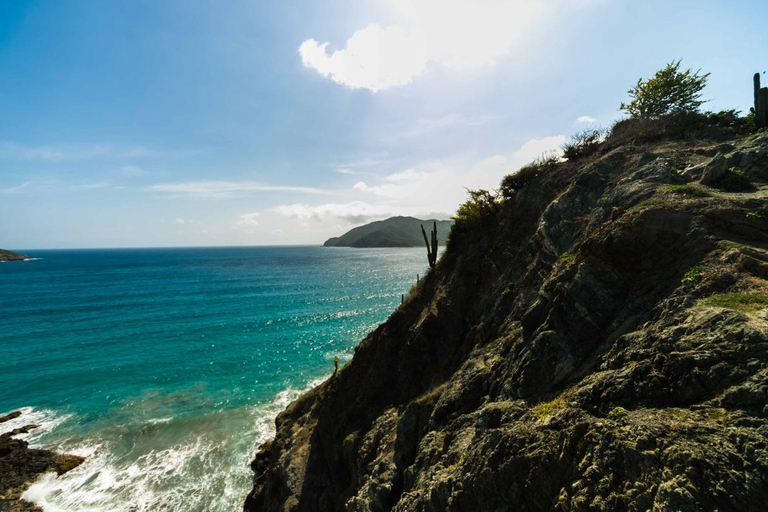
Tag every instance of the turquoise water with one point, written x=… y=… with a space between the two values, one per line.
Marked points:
x=166 y=367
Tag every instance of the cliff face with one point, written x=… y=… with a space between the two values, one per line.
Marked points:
x=601 y=343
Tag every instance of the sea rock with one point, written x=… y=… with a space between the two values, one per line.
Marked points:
x=20 y=466
x=11 y=256
x=10 y=416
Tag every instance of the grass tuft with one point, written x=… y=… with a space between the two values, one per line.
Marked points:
x=687 y=191
x=744 y=302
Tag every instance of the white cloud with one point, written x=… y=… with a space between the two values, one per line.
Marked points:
x=442 y=186
x=460 y=34
x=247 y=222
x=347 y=171
x=432 y=190
x=407 y=175
x=585 y=119
x=179 y=220
x=223 y=189
x=356 y=212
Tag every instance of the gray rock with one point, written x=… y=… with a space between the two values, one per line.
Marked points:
x=714 y=170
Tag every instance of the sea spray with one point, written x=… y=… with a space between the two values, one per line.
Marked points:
x=198 y=464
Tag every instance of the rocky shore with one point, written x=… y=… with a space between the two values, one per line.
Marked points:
x=12 y=256
x=598 y=341
x=21 y=465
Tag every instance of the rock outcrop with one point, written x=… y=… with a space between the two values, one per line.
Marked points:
x=600 y=342
x=20 y=466
x=12 y=256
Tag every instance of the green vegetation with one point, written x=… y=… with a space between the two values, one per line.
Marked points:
x=760 y=110
x=727 y=245
x=583 y=143
x=617 y=413
x=744 y=302
x=756 y=215
x=544 y=409
x=566 y=258
x=431 y=249
x=519 y=179
x=647 y=203
x=734 y=180
x=669 y=91
x=473 y=213
x=693 y=276
x=687 y=191
x=459 y=463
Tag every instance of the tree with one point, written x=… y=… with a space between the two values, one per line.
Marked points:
x=669 y=91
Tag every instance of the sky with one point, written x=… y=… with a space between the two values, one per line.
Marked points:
x=165 y=123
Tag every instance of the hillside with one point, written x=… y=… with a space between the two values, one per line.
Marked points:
x=11 y=256
x=598 y=340
x=392 y=232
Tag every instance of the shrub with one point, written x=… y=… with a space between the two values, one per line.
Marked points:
x=517 y=180
x=583 y=143
x=669 y=91
x=475 y=211
x=617 y=413
x=544 y=409
x=693 y=276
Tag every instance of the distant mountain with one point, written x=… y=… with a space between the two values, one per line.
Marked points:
x=392 y=232
x=11 y=256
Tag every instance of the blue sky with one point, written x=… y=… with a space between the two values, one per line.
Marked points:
x=178 y=123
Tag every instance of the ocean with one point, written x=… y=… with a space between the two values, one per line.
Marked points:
x=167 y=367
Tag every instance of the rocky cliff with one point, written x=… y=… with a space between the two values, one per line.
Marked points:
x=596 y=341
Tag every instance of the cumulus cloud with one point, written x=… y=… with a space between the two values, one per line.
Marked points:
x=460 y=34
x=585 y=119
x=224 y=189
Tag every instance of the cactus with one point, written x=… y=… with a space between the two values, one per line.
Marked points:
x=431 y=250
x=761 y=103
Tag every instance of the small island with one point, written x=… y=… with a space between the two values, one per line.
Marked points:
x=12 y=256
x=392 y=232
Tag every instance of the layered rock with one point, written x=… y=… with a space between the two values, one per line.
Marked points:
x=599 y=343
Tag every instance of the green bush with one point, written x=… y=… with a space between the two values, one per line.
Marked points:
x=669 y=91
x=518 y=180
x=583 y=143
x=474 y=213
x=617 y=413
x=693 y=276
